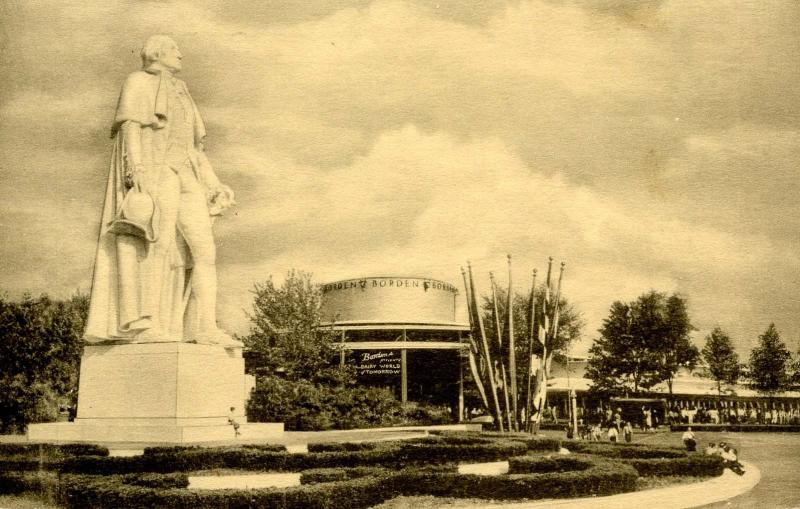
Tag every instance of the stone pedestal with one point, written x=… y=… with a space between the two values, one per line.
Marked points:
x=156 y=392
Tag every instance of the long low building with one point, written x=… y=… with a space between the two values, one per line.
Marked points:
x=690 y=393
x=401 y=333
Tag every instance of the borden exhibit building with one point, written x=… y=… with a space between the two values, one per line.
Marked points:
x=401 y=333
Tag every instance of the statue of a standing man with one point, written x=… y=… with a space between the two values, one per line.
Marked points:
x=155 y=276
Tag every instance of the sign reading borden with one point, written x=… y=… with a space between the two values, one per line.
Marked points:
x=389 y=300
x=377 y=363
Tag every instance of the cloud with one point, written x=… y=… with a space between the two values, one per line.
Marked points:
x=650 y=144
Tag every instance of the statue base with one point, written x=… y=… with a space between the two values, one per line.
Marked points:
x=158 y=393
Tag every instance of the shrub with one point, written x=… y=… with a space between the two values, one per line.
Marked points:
x=342 y=446
x=636 y=451
x=319 y=475
x=52 y=450
x=695 y=465
x=306 y=406
x=593 y=476
x=111 y=491
x=162 y=481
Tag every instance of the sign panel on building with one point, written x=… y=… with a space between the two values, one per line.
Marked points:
x=389 y=300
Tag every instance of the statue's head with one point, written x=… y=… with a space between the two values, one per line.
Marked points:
x=163 y=51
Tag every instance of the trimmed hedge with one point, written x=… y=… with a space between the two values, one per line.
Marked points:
x=13 y=483
x=625 y=451
x=174 y=449
x=96 y=491
x=355 y=476
x=653 y=461
x=391 y=454
x=696 y=465
x=52 y=450
x=342 y=446
x=593 y=476
x=362 y=487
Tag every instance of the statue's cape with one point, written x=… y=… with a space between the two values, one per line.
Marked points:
x=144 y=100
x=119 y=304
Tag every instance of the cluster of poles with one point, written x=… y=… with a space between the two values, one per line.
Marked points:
x=493 y=364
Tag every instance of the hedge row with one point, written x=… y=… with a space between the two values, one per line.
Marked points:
x=320 y=475
x=696 y=465
x=12 y=483
x=393 y=454
x=342 y=446
x=361 y=487
x=52 y=450
x=598 y=476
x=31 y=457
x=172 y=449
x=80 y=491
x=624 y=451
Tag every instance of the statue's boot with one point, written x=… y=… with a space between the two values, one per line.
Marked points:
x=204 y=286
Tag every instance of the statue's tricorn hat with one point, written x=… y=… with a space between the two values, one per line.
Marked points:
x=137 y=216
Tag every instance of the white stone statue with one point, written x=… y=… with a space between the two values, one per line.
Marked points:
x=155 y=276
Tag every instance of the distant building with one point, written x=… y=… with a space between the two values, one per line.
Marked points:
x=401 y=333
x=689 y=391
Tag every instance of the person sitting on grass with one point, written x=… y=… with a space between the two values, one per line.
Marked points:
x=711 y=449
x=732 y=460
x=689 y=440
x=613 y=433
x=232 y=421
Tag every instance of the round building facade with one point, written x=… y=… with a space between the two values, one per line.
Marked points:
x=401 y=333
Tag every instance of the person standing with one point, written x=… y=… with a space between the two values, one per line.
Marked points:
x=627 y=432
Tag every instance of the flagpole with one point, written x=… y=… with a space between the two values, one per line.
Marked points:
x=485 y=344
x=554 y=333
x=499 y=336
x=544 y=327
x=531 y=339
x=473 y=347
x=512 y=355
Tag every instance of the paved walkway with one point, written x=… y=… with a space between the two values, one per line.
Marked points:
x=718 y=489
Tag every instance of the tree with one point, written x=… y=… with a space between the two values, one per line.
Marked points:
x=721 y=358
x=298 y=381
x=284 y=334
x=40 y=349
x=641 y=344
x=769 y=363
x=795 y=370
x=676 y=350
x=570 y=326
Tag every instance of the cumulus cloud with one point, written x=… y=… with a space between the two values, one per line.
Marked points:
x=650 y=144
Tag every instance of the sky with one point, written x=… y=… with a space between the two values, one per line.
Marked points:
x=648 y=144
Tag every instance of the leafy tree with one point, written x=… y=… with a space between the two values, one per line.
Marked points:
x=283 y=333
x=641 y=344
x=676 y=350
x=769 y=363
x=299 y=381
x=570 y=326
x=795 y=370
x=40 y=349
x=721 y=358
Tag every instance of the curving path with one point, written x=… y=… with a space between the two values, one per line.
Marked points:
x=684 y=496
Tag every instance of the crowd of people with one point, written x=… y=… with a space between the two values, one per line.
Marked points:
x=733 y=412
x=612 y=425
